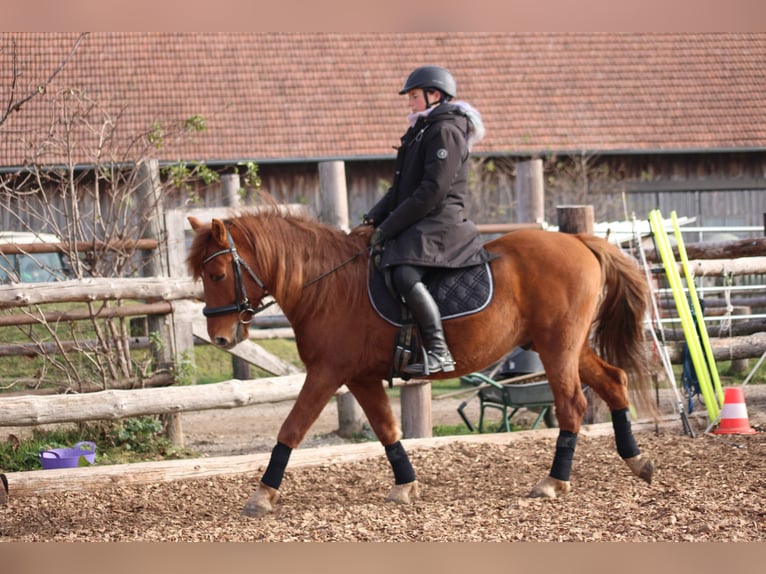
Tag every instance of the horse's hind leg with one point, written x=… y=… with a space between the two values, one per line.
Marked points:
x=374 y=402
x=611 y=384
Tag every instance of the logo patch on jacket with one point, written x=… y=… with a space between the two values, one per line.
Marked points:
x=442 y=153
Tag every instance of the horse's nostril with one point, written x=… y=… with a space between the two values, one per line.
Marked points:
x=221 y=341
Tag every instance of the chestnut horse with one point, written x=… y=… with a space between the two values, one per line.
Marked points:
x=554 y=292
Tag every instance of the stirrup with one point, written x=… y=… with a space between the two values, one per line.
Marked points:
x=444 y=364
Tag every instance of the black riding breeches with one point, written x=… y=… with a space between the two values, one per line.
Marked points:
x=404 y=277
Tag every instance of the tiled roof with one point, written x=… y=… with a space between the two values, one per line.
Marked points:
x=280 y=96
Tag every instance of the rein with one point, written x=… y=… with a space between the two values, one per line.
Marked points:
x=242 y=306
x=334 y=269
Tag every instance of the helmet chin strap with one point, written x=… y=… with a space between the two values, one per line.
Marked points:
x=429 y=104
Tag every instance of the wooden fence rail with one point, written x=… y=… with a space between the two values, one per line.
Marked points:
x=99 y=289
x=177 y=296
x=119 y=404
x=29 y=410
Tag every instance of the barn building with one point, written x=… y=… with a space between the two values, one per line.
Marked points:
x=624 y=122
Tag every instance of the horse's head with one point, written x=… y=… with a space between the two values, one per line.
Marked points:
x=233 y=291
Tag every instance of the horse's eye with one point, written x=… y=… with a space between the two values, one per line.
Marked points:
x=218 y=277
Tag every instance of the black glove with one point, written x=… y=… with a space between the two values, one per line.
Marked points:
x=376 y=247
x=377 y=237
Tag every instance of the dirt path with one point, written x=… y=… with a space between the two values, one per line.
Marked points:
x=706 y=488
x=254 y=429
x=710 y=488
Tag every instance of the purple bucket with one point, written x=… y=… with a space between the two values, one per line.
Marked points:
x=68 y=457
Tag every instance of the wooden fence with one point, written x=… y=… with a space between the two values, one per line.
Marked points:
x=171 y=300
x=171 y=305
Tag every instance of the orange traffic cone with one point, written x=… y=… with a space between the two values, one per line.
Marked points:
x=734 y=418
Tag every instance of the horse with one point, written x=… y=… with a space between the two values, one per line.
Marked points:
x=577 y=300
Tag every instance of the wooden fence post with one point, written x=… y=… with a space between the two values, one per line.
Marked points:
x=739 y=366
x=417 y=417
x=579 y=219
x=176 y=246
x=529 y=190
x=333 y=209
x=231 y=198
x=165 y=352
x=575 y=218
x=333 y=196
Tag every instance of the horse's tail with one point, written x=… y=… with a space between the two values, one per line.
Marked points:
x=618 y=332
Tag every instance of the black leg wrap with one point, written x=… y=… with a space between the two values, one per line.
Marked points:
x=280 y=455
x=400 y=463
x=562 y=461
x=623 y=436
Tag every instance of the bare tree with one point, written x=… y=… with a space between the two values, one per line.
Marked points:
x=98 y=205
x=16 y=99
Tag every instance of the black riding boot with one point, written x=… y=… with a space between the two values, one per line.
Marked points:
x=426 y=313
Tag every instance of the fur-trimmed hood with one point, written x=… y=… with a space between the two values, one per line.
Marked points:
x=477 y=131
x=476 y=128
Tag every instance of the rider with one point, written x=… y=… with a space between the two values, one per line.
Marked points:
x=419 y=223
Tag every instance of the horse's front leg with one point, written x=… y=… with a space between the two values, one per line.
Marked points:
x=314 y=396
x=373 y=399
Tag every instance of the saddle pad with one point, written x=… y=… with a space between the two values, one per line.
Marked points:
x=458 y=292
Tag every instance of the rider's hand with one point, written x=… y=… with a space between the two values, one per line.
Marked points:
x=376 y=244
x=378 y=237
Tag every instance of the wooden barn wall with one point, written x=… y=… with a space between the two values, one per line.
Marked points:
x=717 y=189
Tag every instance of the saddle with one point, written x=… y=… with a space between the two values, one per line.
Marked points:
x=457 y=292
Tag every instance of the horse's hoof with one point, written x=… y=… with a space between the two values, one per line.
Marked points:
x=403 y=493
x=550 y=487
x=261 y=502
x=642 y=466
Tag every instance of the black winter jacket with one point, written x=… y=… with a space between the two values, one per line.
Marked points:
x=421 y=215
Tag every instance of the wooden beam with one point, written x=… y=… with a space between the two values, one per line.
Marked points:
x=739 y=266
x=251 y=352
x=717 y=250
x=30 y=386
x=79 y=479
x=78 y=246
x=21 y=408
x=161 y=308
x=99 y=289
x=28 y=410
x=725 y=349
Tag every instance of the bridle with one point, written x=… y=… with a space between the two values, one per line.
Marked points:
x=242 y=305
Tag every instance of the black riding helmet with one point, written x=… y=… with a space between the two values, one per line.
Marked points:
x=431 y=78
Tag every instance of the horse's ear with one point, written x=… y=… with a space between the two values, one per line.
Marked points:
x=218 y=230
x=194 y=222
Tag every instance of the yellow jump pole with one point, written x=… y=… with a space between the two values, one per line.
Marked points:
x=684 y=313
x=712 y=368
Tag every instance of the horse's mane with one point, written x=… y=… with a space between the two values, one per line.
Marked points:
x=295 y=250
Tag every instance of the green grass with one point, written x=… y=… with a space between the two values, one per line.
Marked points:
x=451 y=430
x=212 y=365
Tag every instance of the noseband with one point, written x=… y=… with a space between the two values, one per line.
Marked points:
x=242 y=306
